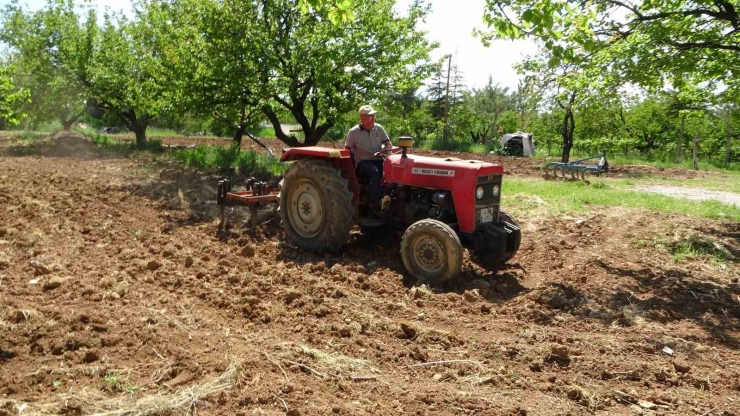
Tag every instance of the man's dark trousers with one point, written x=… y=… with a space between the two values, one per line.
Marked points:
x=372 y=172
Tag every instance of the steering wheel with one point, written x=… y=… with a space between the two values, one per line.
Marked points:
x=386 y=152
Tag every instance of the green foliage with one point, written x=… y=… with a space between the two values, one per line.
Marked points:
x=212 y=59
x=127 y=75
x=50 y=47
x=697 y=246
x=11 y=100
x=317 y=71
x=230 y=159
x=643 y=41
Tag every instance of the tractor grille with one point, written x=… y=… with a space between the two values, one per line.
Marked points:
x=487 y=183
x=488 y=200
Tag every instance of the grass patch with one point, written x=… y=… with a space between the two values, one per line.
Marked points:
x=697 y=246
x=27 y=137
x=660 y=161
x=229 y=158
x=267 y=132
x=457 y=146
x=562 y=197
x=723 y=183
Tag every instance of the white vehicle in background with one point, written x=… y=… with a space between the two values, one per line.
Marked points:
x=518 y=144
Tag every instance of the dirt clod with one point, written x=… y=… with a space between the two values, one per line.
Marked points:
x=681 y=367
x=471 y=296
x=560 y=350
x=153 y=265
x=247 y=251
x=39 y=268
x=90 y=357
x=52 y=283
x=408 y=332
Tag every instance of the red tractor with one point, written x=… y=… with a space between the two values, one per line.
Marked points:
x=442 y=205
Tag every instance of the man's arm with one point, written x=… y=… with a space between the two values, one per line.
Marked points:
x=387 y=145
x=348 y=142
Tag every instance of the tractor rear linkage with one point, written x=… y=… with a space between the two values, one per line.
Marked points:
x=577 y=168
x=255 y=195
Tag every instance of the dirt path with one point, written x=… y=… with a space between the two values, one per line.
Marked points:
x=693 y=193
x=116 y=293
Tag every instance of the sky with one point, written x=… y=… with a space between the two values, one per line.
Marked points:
x=450 y=23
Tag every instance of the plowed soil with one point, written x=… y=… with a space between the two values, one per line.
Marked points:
x=118 y=295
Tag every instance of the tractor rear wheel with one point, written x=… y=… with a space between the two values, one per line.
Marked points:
x=316 y=206
x=431 y=251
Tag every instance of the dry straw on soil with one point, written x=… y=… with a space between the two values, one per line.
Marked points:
x=184 y=401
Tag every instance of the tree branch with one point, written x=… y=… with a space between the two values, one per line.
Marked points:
x=704 y=45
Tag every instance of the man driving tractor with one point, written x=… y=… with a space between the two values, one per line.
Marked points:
x=366 y=140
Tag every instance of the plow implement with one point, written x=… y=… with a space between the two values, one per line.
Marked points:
x=255 y=196
x=578 y=168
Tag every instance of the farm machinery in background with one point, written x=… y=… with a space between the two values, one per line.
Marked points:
x=518 y=144
x=578 y=168
x=442 y=205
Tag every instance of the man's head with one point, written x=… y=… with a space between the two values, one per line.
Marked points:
x=367 y=117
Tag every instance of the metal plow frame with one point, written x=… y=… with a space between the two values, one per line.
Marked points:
x=256 y=194
x=577 y=169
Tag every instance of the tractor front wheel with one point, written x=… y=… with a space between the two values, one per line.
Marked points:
x=316 y=206
x=431 y=251
x=504 y=216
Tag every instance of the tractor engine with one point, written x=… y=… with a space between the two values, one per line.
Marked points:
x=410 y=204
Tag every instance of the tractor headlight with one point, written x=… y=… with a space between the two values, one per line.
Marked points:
x=496 y=190
x=479 y=192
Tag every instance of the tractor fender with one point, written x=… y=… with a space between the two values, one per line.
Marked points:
x=340 y=159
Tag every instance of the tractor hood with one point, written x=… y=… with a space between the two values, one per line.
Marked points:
x=437 y=173
x=451 y=174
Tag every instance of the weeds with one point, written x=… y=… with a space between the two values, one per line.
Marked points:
x=696 y=246
x=229 y=158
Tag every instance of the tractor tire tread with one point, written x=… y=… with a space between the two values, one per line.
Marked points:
x=452 y=246
x=339 y=207
x=506 y=216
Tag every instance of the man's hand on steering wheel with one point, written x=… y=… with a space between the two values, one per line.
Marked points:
x=382 y=153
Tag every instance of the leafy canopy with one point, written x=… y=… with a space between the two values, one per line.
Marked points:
x=643 y=40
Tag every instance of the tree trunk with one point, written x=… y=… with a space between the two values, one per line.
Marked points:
x=569 y=126
x=67 y=123
x=238 y=134
x=447 y=101
x=139 y=130
x=312 y=135
x=2 y=123
x=695 y=153
x=728 y=143
x=494 y=130
x=679 y=150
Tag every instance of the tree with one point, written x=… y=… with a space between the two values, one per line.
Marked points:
x=127 y=75
x=211 y=59
x=526 y=100
x=492 y=101
x=644 y=41
x=316 y=70
x=11 y=100
x=571 y=86
x=688 y=101
x=49 y=47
